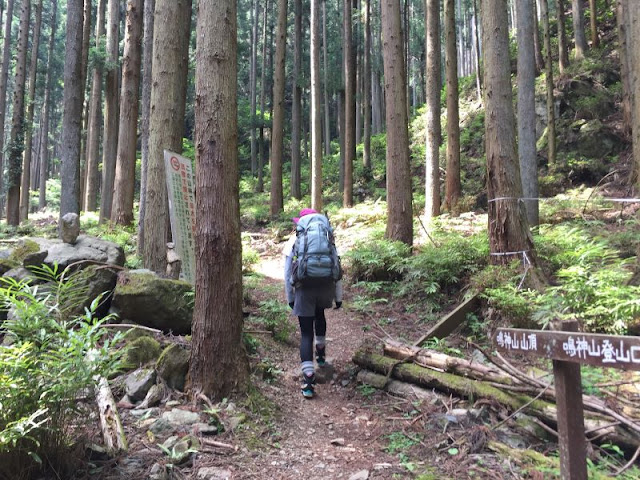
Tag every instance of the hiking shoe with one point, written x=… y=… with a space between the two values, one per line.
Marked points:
x=308 y=381
x=320 y=356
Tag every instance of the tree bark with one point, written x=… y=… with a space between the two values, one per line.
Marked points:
x=16 y=142
x=166 y=123
x=316 y=109
x=44 y=161
x=218 y=365
x=253 y=85
x=4 y=75
x=563 y=49
x=536 y=39
x=366 y=94
x=634 y=54
x=434 y=133
x=453 y=188
x=527 y=109
x=95 y=117
x=325 y=86
x=509 y=235
x=348 y=55
x=147 y=59
x=28 y=139
x=261 y=144
x=86 y=37
x=122 y=210
x=580 y=38
x=625 y=73
x=296 y=106
x=72 y=117
x=593 y=20
x=277 y=129
x=111 y=114
x=399 y=203
x=551 y=120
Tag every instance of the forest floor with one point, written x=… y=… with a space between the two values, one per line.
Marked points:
x=347 y=431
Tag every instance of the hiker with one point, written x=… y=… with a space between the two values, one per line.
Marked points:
x=312 y=276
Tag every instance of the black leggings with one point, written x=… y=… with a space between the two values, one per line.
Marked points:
x=306 y=332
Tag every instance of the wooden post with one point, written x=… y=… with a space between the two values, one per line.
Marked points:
x=571 y=435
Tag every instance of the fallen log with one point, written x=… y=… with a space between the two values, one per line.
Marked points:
x=475 y=389
x=396 y=387
x=115 y=440
x=447 y=363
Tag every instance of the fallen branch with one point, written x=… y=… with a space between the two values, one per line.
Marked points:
x=115 y=440
x=214 y=443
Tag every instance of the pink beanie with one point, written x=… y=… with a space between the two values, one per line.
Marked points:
x=303 y=212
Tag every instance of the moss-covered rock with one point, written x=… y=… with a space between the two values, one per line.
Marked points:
x=142 y=350
x=24 y=248
x=173 y=365
x=146 y=299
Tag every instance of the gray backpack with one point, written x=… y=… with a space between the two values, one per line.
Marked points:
x=315 y=258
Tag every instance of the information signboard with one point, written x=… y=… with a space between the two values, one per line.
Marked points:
x=182 y=211
x=586 y=348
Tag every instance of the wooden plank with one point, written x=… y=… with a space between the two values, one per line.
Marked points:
x=612 y=351
x=571 y=436
x=451 y=321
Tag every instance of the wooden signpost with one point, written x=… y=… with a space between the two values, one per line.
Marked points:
x=569 y=349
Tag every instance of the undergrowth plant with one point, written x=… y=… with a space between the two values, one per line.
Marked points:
x=275 y=317
x=591 y=284
x=46 y=361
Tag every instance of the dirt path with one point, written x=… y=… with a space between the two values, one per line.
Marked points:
x=332 y=435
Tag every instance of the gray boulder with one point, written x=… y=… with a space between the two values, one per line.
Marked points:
x=85 y=250
x=70 y=227
x=148 y=300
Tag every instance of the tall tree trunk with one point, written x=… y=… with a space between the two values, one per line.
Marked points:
x=624 y=54
x=577 y=14
x=399 y=205
x=551 y=120
x=253 y=85
x=4 y=75
x=348 y=56
x=147 y=61
x=563 y=48
x=111 y=114
x=341 y=114
x=16 y=142
x=218 y=365
x=325 y=83
x=476 y=43
x=277 y=130
x=95 y=117
x=453 y=188
x=433 y=67
x=263 y=81
x=166 y=124
x=86 y=37
x=296 y=107
x=633 y=34
x=122 y=211
x=593 y=20
x=44 y=161
x=72 y=117
x=536 y=39
x=508 y=228
x=316 y=112
x=366 y=94
x=527 y=108
x=28 y=139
